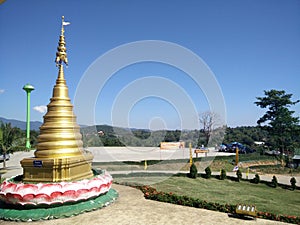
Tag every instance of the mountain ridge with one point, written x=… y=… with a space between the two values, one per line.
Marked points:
x=34 y=125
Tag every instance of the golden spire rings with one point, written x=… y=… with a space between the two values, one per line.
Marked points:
x=61 y=54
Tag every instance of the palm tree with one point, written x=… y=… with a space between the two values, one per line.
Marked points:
x=10 y=137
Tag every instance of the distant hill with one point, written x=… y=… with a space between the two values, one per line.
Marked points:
x=107 y=135
x=34 y=125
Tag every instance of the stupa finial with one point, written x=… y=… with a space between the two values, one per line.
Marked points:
x=59 y=152
x=61 y=54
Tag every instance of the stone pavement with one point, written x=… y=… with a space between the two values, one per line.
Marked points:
x=14 y=168
x=132 y=208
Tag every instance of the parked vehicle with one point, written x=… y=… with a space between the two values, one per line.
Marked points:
x=223 y=148
x=4 y=156
x=272 y=152
x=232 y=148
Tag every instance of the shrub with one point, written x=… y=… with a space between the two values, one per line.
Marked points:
x=256 y=179
x=223 y=174
x=207 y=172
x=193 y=171
x=293 y=183
x=153 y=194
x=274 y=182
x=238 y=175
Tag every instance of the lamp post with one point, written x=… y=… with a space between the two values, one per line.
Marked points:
x=28 y=88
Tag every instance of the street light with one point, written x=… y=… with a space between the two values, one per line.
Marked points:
x=28 y=88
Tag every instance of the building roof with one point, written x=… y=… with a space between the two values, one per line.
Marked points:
x=296 y=157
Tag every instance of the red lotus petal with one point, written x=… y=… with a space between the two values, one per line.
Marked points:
x=82 y=191
x=8 y=187
x=51 y=193
x=55 y=195
x=14 y=197
x=95 y=189
x=42 y=198
x=28 y=197
x=70 y=194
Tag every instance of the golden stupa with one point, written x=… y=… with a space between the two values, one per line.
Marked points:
x=59 y=155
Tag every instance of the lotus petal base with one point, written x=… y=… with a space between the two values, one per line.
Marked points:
x=13 y=191
x=62 y=211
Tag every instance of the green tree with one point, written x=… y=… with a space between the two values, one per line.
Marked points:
x=207 y=172
x=239 y=175
x=10 y=138
x=256 y=179
x=279 y=120
x=193 y=171
x=274 y=182
x=223 y=174
x=293 y=183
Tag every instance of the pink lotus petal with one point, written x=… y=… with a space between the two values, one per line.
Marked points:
x=28 y=197
x=9 y=187
x=69 y=194
x=55 y=195
x=83 y=191
x=42 y=198
x=52 y=193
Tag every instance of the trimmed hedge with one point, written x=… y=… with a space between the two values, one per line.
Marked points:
x=207 y=172
x=223 y=174
x=293 y=183
x=152 y=194
x=203 y=175
x=193 y=171
x=238 y=175
x=256 y=179
x=274 y=182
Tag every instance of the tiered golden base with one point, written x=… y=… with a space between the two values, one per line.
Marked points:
x=59 y=154
x=57 y=169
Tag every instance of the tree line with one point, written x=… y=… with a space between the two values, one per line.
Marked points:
x=278 y=128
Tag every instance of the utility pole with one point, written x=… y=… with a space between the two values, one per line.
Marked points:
x=236 y=156
x=191 y=155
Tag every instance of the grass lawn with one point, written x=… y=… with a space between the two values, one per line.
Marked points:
x=216 y=164
x=273 y=200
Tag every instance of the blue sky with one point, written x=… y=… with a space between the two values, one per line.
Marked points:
x=250 y=46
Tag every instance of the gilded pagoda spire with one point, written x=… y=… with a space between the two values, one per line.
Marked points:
x=59 y=154
x=61 y=54
x=60 y=134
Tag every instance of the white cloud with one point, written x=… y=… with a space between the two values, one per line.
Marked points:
x=40 y=108
x=2 y=91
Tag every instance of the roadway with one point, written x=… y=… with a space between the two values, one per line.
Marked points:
x=113 y=154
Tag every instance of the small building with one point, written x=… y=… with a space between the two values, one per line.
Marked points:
x=259 y=142
x=172 y=145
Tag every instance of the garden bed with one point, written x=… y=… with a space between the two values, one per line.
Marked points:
x=279 y=204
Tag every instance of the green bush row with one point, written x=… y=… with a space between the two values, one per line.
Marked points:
x=273 y=183
x=152 y=194
x=222 y=175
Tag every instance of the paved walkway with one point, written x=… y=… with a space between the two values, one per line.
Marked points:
x=132 y=208
x=14 y=167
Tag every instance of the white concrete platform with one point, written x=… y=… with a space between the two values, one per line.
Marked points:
x=112 y=154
